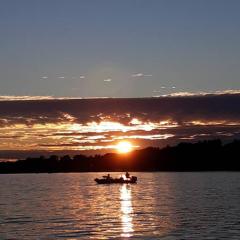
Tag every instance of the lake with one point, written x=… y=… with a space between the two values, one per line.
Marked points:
x=159 y=206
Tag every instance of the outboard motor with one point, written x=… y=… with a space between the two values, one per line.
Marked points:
x=134 y=178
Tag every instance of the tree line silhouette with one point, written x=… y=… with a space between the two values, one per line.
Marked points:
x=209 y=155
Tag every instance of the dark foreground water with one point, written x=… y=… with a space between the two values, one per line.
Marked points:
x=160 y=206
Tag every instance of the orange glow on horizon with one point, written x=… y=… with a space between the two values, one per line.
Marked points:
x=67 y=133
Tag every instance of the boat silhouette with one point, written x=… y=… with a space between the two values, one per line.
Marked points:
x=109 y=180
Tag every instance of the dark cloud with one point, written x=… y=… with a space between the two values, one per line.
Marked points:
x=187 y=118
x=180 y=109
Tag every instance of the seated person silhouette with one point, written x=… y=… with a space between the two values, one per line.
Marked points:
x=127 y=175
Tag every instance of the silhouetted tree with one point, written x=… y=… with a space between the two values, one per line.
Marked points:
x=209 y=155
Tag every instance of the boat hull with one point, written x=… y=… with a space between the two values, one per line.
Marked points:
x=132 y=180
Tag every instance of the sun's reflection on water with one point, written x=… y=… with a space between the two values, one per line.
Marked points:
x=126 y=211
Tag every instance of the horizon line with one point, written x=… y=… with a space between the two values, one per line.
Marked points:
x=170 y=95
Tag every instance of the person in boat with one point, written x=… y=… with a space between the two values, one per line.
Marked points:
x=127 y=175
x=107 y=177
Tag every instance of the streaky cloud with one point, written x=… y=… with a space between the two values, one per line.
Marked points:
x=24 y=98
x=135 y=75
x=202 y=93
x=107 y=80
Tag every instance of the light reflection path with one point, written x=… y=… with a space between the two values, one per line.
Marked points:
x=126 y=210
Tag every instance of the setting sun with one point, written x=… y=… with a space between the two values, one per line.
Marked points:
x=124 y=147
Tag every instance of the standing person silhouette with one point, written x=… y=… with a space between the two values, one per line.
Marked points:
x=127 y=175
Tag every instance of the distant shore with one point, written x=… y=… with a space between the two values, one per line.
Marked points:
x=209 y=155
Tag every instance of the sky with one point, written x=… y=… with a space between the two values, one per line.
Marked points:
x=84 y=75
x=109 y=48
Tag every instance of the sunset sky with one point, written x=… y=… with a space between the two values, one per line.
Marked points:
x=99 y=125
x=164 y=71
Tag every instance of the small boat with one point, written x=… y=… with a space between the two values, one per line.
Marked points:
x=110 y=180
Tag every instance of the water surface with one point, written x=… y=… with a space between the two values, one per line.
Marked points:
x=161 y=205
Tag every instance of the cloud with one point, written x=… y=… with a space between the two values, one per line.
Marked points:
x=137 y=75
x=82 y=77
x=59 y=123
x=107 y=80
x=141 y=75
x=202 y=93
x=179 y=107
x=44 y=77
x=61 y=77
x=164 y=87
x=24 y=98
